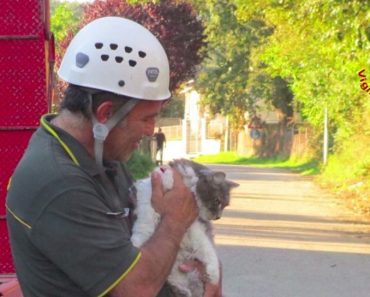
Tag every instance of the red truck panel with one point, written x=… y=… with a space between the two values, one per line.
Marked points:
x=24 y=90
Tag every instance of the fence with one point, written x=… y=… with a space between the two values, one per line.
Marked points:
x=185 y=138
x=276 y=140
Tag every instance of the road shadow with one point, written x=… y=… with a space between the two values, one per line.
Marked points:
x=281 y=236
x=293 y=218
x=274 y=272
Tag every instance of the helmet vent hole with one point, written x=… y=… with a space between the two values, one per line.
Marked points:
x=142 y=54
x=104 y=57
x=81 y=60
x=128 y=49
x=113 y=46
x=99 y=45
x=121 y=83
x=132 y=63
x=119 y=59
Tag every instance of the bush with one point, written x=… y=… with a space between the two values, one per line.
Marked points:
x=140 y=165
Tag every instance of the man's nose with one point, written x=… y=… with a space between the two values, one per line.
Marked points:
x=149 y=129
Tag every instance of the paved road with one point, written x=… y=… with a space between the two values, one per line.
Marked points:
x=283 y=237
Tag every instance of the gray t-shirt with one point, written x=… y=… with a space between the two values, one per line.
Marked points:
x=69 y=231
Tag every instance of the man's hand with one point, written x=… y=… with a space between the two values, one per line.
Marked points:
x=178 y=204
x=210 y=290
x=178 y=210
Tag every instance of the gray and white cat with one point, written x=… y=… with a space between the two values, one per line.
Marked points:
x=212 y=194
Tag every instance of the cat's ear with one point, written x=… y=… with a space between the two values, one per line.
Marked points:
x=218 y=177
x=206 y=172
x=213 y=176
x=232 y=184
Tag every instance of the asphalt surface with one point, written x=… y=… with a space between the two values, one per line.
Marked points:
x=282 y=236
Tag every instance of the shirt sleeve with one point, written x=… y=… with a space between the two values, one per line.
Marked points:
x=91 y=247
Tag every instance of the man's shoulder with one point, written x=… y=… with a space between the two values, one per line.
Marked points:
x=41 y=176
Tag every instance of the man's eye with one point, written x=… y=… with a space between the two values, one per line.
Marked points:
x=150 y=120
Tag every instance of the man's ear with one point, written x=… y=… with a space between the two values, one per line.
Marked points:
x=104 y=111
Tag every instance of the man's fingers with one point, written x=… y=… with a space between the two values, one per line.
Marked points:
x=177 y=179
x=212 y=290
x=156 y=184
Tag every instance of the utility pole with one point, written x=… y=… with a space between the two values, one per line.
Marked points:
x=227 y=135
x=325 y=142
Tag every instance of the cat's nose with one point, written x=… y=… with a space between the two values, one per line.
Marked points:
x=223 y=204
x=217 y=217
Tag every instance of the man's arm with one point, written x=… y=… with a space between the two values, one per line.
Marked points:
x=178 y=210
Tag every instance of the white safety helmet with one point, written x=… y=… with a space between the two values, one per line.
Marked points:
x=117 y=55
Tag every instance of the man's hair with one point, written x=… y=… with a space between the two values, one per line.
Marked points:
x=77 y=100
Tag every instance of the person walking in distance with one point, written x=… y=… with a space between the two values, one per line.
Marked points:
x=70 y=200
x=160 y=138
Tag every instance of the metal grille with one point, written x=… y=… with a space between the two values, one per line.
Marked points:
x=22 y=82
x=11 y=150
x=21 y=17
x=23 y=91
x=22 y=62
x=5 y=254
x=12 y=147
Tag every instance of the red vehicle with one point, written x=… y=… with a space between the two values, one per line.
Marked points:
x=26 y=65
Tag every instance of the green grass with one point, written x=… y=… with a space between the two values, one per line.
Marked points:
x=141 y=165
x=305 y=167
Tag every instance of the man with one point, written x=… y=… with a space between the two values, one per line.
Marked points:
x=69 y=205
x=160 y=140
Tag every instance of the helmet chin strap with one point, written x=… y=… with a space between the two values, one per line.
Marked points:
x=101 y=130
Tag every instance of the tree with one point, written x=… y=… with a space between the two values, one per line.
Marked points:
x=64 y=21
x=223 y=79
x=174 y=23
x=310 y=52
x=64 y=17
x=318 y=46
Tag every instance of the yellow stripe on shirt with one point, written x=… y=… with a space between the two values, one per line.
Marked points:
x=18 y=218
x=133 y=264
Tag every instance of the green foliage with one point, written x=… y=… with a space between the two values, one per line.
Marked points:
x=221 y=158
x=64 y=17
x=174 y=108
x=350 y=162
x=328 y=44
x=305 y=167
x=282 y=96
x=143 y=1
x=348 y=173
x=140 y=165
x=318 y=46
x=232 y=79
x=224 y=75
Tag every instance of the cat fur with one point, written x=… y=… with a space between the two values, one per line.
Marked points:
x=197 y=242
